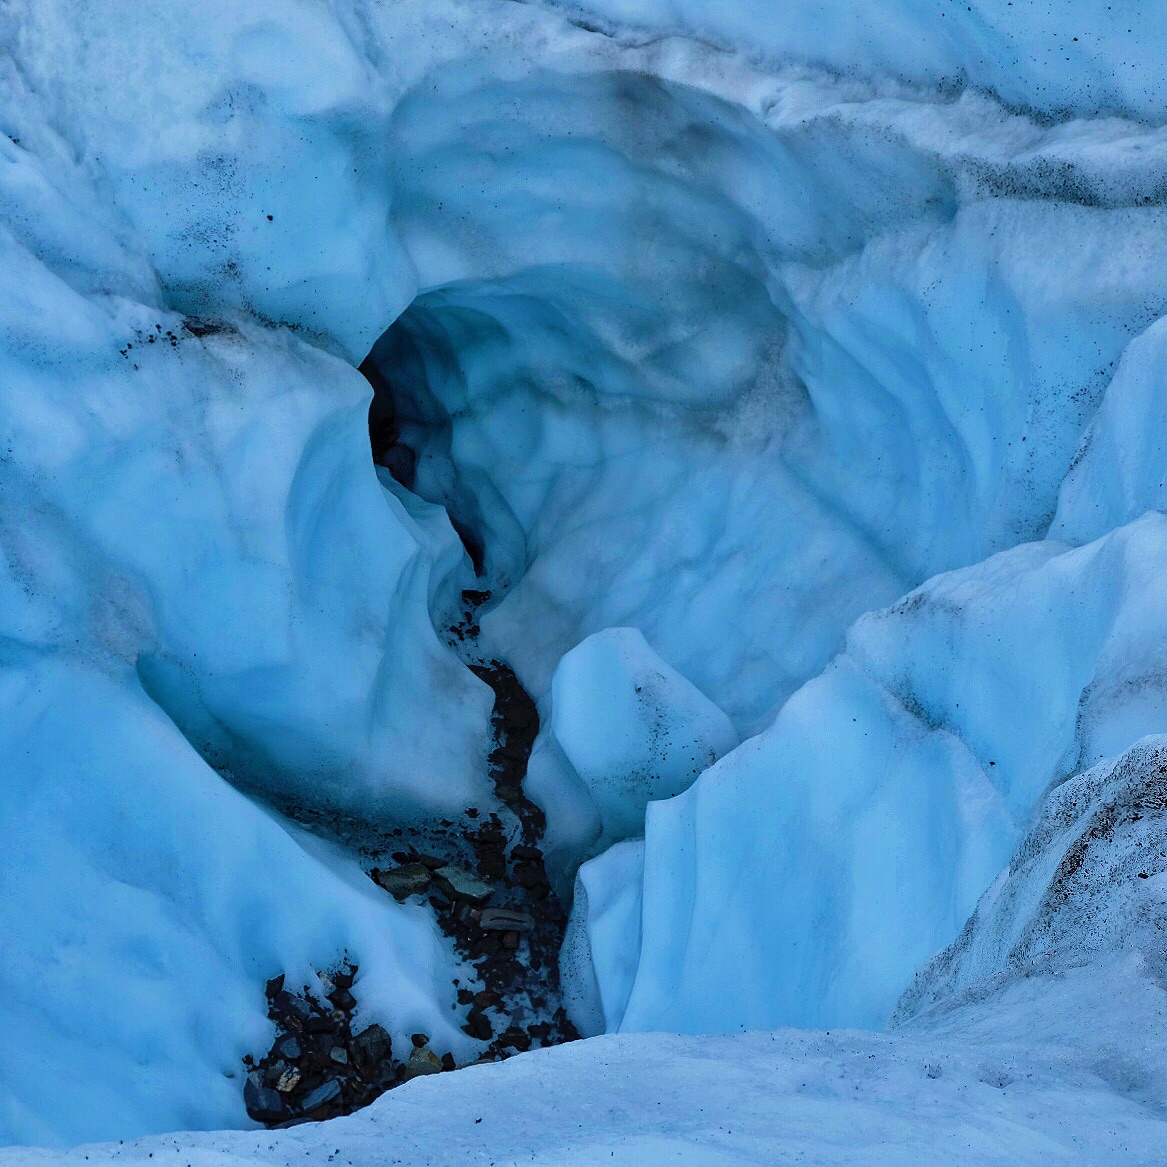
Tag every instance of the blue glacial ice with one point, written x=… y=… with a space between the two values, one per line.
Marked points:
x=796 y=376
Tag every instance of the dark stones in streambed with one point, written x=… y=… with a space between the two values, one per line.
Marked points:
x=318 y=1067
x=490 y=895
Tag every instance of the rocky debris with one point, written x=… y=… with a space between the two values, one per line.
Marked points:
x=287 y=1047
x=491 y=895
x=404 y=880
x=371 y=1047
x=505 y=920
x=262 y=1102
x=323 y=1094
x=318 y=1067
x=422 y=1061
x=461 y=885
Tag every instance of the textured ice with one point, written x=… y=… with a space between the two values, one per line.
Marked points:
x=865 y=824
x=633 y=729
x=1087 y=883
x=728 y=323
x=1065 y=1071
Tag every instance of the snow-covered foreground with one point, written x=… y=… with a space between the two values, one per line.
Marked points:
x=1068 y=1073
x=1038 y=1037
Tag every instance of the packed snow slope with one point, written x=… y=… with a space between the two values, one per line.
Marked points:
x=799 y=370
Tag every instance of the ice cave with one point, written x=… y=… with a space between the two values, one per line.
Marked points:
x=583 y=582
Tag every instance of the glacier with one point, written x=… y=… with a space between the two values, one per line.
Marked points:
x=792 y=378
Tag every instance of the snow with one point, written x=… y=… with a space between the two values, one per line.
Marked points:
x=660 y=731
x=1065 y=1071
x=804 y=877
x=145 y=903
x=1064 y=55
x=799 y=364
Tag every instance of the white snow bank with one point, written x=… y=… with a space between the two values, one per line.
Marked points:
x=1063 y=55
x=1065 y=1072
x=804 y=877
x=145 y=902
x=633 y=728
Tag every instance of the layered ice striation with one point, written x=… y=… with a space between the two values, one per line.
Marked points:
x=790 y=380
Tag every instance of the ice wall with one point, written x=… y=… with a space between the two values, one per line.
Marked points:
x=806 y=876
x=1058 y=57
x=704 y=344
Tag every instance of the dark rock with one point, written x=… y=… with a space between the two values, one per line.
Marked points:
x=293 y=1007
x=478 y=1026
x=344 y=980
x=505 y=920
x=323 y=1093
x=510 y=940
x=372 y=1046
x=515 y=1038
x=275 y=985
x=288 y=1047
x=529 y=875
x=431 y=861
x=343 y=1000
x=419 y=1040
x=319 y=1024
x=263 y=1103
x=461 y=885
x=403 y=881
x=448 y=1062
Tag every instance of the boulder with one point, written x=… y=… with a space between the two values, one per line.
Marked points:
x=404 y=880
x=372 y=1046
x=326 y=1092
x=263 y=1103
x=422 y=1061
x=461 y=885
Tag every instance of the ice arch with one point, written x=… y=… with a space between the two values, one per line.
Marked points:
x=734 y=385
